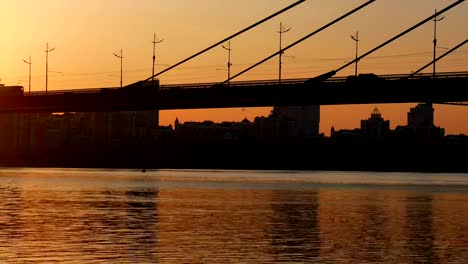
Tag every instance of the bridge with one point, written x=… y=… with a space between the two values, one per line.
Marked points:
x=321 y=90
x=366 y=89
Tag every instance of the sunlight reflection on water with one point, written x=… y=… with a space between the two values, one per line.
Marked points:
x=211 y=216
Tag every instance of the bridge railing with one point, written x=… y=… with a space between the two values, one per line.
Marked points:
x=68 y=91
x=247 y=84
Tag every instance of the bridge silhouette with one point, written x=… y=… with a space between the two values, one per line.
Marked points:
x=325 y=89
x=446 y=87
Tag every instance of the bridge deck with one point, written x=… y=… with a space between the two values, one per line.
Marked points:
x=447 y=87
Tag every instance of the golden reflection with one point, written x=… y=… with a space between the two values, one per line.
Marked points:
x=450 y=227
x=43 y=219
x=296 y=231
x=58 y=225
x=211 y=226
x=362 y=225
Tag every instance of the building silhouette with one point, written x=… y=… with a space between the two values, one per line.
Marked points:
x=305 y=120
x=375 y=126
x=421 y=116
x=420 y=128
x=287 y=138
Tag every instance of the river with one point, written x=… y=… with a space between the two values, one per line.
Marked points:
x=228 y=216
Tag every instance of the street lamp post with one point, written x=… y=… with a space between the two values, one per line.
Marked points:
x=47 y=50
x=280 y=55
x=155 y=41
x=229 y=64
x=29 y=62
x=356 y=39
x=120 y=56
x=155 y=113
x=435 y=44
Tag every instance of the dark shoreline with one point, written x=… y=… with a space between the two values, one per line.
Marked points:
x=300 y=156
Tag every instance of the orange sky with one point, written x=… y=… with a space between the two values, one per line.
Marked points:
x=85 y=33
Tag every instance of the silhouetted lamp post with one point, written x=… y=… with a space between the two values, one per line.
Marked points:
x=280 y=55
x=47 y=50
x=229 y=64
x=435 y=43
x=120 y=56
x=29 y=62
x=356 y=39
x=155 y=41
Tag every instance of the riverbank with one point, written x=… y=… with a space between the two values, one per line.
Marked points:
x=258 y=156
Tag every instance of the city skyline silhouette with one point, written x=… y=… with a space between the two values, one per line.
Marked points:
x=86 y=35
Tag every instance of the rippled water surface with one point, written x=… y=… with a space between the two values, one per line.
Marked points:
x=201 y=216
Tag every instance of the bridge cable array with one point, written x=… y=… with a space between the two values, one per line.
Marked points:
x=332 y=73
x=222 y=41
x=455 y=103
x=438 y=58
x=302 y=39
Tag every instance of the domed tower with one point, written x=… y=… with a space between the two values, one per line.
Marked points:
x=375 y=126
x=376 y=114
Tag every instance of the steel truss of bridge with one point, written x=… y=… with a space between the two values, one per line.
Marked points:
x=447 y=87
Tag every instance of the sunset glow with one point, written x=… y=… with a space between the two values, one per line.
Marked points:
x=86 y=33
